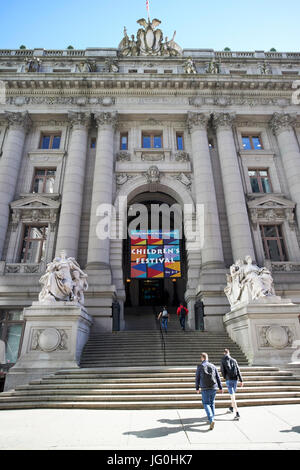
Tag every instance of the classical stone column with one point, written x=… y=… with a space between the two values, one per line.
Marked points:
x=238 y=220
x=212 y=251
x=71 y=206
x=282 y=126
x=99 y=248
x=19 y=124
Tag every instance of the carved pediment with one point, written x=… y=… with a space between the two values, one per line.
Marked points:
x=34 y=209
x=270 y=208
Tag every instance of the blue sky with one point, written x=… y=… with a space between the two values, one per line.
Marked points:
x=240 y=25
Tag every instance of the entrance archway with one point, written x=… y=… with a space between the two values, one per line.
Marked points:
x=154 y=262
x=149 y=295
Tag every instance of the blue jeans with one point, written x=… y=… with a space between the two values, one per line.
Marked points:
x=231 y=385
x=164 y=323
x=208 y=400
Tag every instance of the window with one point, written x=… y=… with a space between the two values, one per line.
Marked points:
x=11 y=329
x=34 y=244
x=179 y=140
x=44 y=181
x=124 y=141
x=152 y=140
x=93 y=142
x=260 y=181
x=273 y=242
x=50 y=141
x=252 y=142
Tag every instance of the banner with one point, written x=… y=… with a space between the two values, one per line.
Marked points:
x=155 y=254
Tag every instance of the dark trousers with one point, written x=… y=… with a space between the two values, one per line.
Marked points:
x=182 y=321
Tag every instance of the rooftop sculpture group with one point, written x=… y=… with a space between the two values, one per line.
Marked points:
x=149 y=41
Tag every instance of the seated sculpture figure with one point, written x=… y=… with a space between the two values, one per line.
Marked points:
x=248 y=282
x=63 y=281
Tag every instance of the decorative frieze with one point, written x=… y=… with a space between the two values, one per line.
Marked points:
x=271 y=209
x=182 y=156
x=49 y=340
x=123 y=156
x=35 y=209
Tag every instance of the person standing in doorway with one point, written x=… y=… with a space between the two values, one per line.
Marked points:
x=182 y=313
x=208 y=379
x=231 y=373
x=164 y=316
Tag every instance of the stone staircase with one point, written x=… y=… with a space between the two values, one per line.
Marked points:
x=148 y=370
x=147 y=388
x=155 y=348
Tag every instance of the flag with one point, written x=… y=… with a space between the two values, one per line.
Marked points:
x=148 y=8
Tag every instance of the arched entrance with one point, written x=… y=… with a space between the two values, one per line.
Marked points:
x=154 y=262
x=145 y=296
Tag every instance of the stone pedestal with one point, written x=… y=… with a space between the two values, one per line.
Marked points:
x=54 y=338
x=266 y=331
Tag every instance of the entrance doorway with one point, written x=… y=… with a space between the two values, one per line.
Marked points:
x=154 y=262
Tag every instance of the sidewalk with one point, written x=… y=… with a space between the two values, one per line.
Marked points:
x=264 y=428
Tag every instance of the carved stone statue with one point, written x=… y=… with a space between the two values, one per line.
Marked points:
x=33 y=65
x=247 y=283
x=213 y=67
x=87 y=66
x=111 y=65
x=265 y=68
x=189 y=66
x=149 y=41
x=63 y=281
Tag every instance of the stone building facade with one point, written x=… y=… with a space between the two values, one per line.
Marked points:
x=200 y=128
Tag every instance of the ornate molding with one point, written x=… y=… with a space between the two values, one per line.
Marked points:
x=79 y=120
x=197 y=121
x=281 y=122
x=275 y=336
x=107 y=119
x=182 y=156
x=123 y=156
x=49 y=340
x=153 y=174
x=35 y=209
x=18 y=120
x=223 y=120
x=272 y=209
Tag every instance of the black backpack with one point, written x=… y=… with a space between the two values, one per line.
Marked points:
x=208 y=376
x=231 y=368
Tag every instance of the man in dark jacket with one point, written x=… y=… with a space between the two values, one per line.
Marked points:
x=208 y=379
x=231 y=373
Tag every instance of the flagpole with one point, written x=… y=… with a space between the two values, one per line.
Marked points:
x=148 y=9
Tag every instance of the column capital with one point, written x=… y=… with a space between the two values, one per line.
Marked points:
x=197 y=121
x=79 y=120
x=281 y=122
x=18 y=120
x=223 y=120
x=106 y=119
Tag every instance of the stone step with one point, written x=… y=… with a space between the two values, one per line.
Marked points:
x=145 y=405
x=139 y=397
x=147 y=391
x=184 y=385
